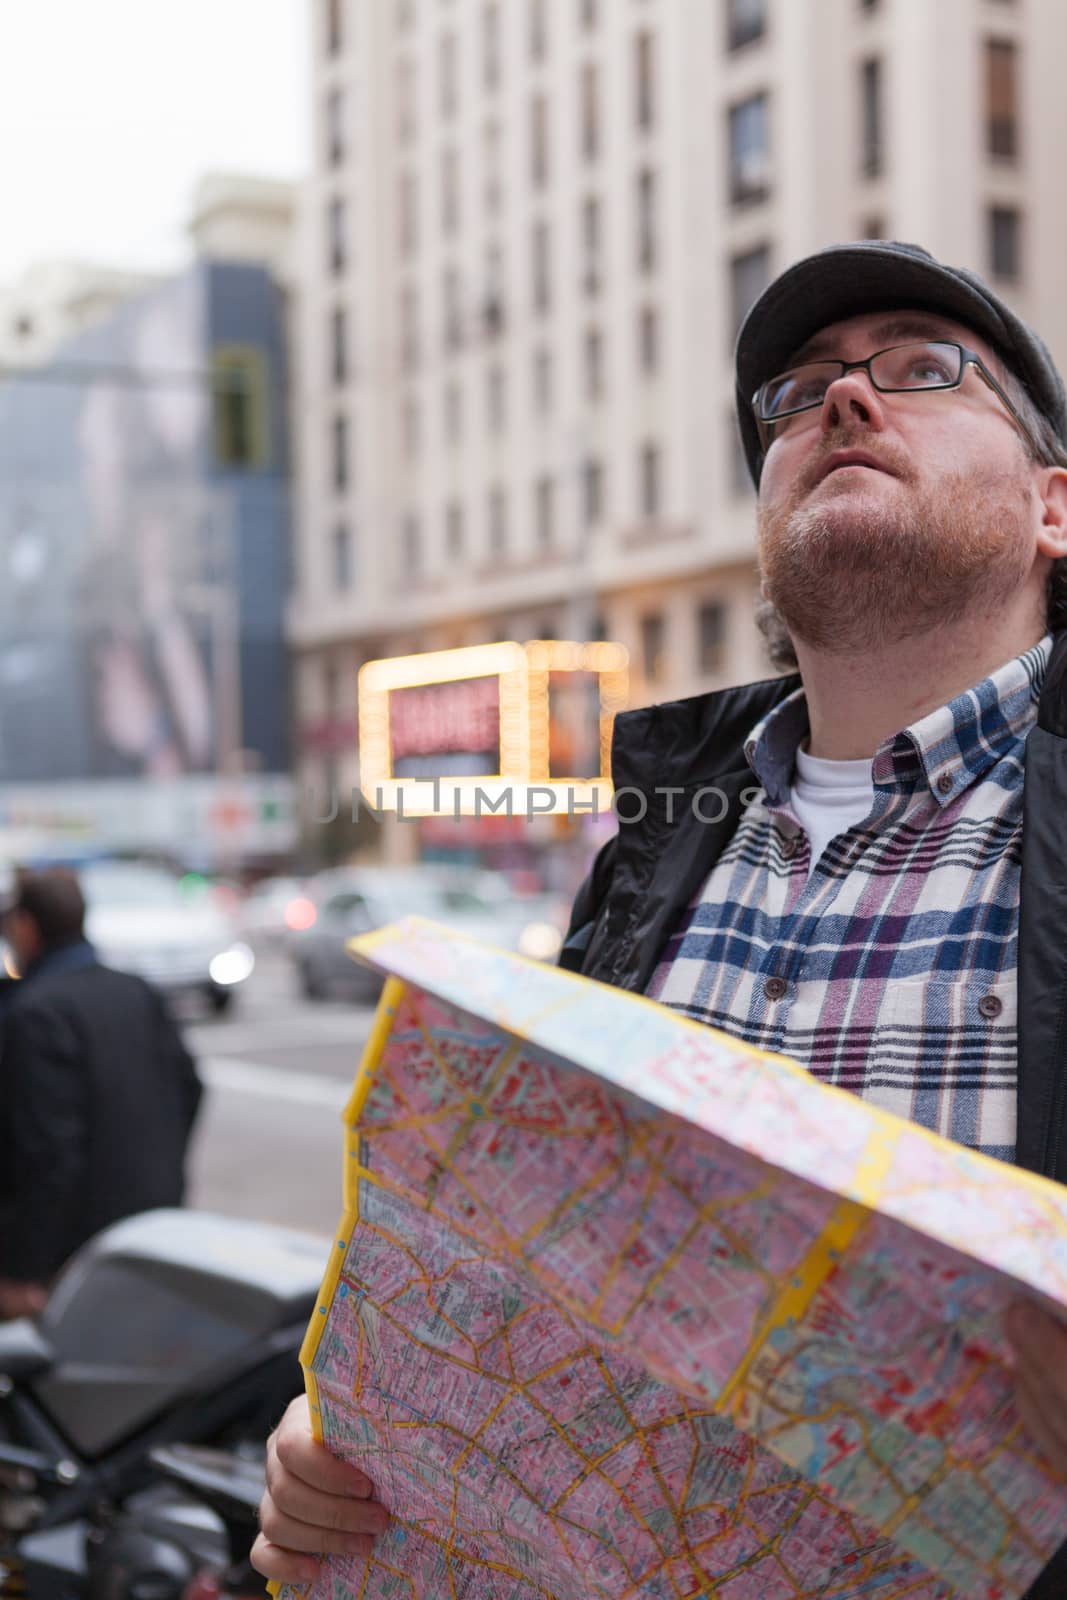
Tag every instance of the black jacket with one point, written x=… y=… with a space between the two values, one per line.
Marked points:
x=645 y=877
x=97 y=1099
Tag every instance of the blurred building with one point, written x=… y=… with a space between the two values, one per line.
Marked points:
x=145 y=547
x=530 y=236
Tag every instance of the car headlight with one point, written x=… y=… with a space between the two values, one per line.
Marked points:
x=231 y=966
x=540 y=941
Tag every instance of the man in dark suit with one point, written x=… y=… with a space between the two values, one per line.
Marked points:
x=98 y=1093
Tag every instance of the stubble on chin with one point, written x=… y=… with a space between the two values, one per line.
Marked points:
x=850 y=568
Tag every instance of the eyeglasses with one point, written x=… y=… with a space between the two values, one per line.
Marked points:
x=936 y=364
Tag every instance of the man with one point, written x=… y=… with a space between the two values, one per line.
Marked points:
x=878 y=884
x=97 y=1093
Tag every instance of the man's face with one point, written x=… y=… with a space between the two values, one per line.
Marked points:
x=883 y=514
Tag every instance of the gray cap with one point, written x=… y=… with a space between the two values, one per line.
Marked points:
x=847 y=280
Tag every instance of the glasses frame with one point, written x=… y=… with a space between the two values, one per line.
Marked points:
x=968 y=358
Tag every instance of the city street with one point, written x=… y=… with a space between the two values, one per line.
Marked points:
x=277 y=1072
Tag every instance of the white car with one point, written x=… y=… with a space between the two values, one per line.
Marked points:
x=345 y=901
x=170 y=930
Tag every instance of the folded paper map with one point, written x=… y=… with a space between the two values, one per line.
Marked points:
x=621 y=1307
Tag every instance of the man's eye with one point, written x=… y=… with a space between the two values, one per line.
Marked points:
x=800 y=392
x=928 y=370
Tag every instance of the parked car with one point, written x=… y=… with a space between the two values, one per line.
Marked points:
x=271 y=910
x=352 y=900
x=170 y=930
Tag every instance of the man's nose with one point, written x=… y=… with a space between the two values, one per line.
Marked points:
x=852 y=400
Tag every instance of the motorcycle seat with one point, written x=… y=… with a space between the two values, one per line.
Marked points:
x=24 y=1351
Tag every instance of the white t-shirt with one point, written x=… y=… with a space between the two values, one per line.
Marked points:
x=828 y=797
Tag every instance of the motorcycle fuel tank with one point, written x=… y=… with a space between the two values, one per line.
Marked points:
x=161 y=1303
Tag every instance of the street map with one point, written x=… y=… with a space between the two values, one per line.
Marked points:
x=620 y=1307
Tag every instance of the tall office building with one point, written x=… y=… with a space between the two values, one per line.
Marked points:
x=531 y=232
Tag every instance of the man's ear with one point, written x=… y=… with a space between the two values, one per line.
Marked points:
x=1051 y=486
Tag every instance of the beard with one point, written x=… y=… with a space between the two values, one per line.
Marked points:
x=853 y=571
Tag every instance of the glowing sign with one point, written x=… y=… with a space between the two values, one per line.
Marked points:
x=469 y=732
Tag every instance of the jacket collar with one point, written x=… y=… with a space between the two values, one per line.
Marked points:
x=694 y=740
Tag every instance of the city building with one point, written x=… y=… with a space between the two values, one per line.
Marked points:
x=530 y=235
x=145 y=550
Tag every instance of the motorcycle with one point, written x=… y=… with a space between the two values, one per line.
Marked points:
x=134 y=1412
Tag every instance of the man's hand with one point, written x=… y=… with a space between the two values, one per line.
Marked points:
x=1040 y=1346
x=19 y=1299
x=315 y=1504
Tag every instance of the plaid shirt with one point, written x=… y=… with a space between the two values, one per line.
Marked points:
x=890 y=969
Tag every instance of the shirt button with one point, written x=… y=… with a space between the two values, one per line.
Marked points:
x=990 y=1005
x=944 y=783
x=775 y=988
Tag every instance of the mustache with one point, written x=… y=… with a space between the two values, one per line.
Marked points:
x=886 y=455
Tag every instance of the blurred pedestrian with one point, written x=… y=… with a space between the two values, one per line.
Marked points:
x=98 y=1093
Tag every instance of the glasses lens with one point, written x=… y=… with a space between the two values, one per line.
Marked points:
x=796 y=390
x=917 y=366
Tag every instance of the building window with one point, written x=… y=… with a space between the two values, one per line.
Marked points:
x=493 y=293
x=545 y=512
x=740 y=477
x=340 y=461
x=538 y=30
x=649 y=484
x=406 y=96
x=750 y=154
x=411 y=543
x=409 y=328
x=1005 y=247
x=342 y=556
x=454 y=530
x=591 y=245
x=449 y=189
x=646 y=220
x=648 y=340
x=645 y=81
x=594 y=364
x=492 y=168
x=410 y=426
x=339 y=344
x=542 y=381
x=447 y=74
x=408 y=209
x=542 y=267
x=1002 y=119
x=652 y=638
x=592 y=493
x=451 y=299
x=590 y=111
x=453 y=413
x=498 y=522
x=496 y=399
x=746 y=21
x=334 y=27
x=871 y=114
x=337 y=240
x=491 y=45
x=538 y=141
x=750 y=273
x=241 y=415
x=335 y=127
x=711 y=636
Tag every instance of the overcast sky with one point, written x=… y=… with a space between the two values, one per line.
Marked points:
x=111 y=110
